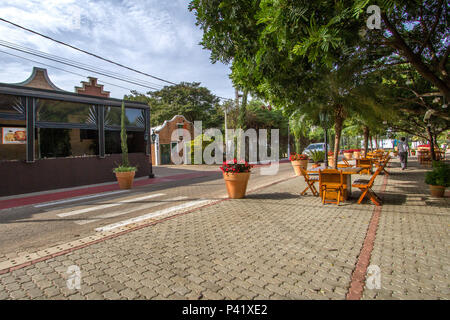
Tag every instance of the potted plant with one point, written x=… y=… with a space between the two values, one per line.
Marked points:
x=438 y=179
x=348 y=154
x=317 y=156
x=413 y=152
x=124 y=172
x=297 y=161
x=236 y=177
x=331 y=159
x=356 y=153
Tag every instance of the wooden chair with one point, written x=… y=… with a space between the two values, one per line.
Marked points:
x=383 y=164
x=310 y=180
x=366 y=188
x=366 y=164
x=345 y=165
x=331 y=181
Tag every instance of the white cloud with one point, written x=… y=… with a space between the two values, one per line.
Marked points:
x=156 y=37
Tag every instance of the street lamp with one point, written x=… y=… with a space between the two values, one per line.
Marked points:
x=153 y=137
x=324 y=119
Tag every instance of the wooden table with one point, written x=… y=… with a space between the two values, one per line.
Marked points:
x=347 y=172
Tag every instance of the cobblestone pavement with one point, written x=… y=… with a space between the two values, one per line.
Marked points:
x=412 y=243
x=273 y=245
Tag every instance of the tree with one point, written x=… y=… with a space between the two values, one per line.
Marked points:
x=194 y=102
x=412 y=32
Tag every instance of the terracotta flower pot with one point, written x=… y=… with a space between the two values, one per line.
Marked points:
x=125 y=179
x=437 y=191
x=315 y=165
x=357 y=154
x=331 y=162
x=348 y=155
x=236 y=184
x=299 y=163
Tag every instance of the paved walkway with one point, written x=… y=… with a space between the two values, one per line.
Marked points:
x=273 y=245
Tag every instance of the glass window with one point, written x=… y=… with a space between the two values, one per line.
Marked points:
x=135 y=142
x=55 y=143
x=133 y=117
x=12 y=104
x=66 y=112
x=112 y=116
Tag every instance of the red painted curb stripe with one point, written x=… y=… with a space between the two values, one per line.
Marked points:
x=28 y=200
x=357 y=282
x=18 y=202
x=50 y=256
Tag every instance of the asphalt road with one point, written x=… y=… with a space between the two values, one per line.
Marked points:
x=36 y=227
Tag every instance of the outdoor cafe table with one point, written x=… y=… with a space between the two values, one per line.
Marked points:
x=347 y=172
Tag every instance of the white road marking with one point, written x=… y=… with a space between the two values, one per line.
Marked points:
x=103 y=206
x=79 y=198
x=153 y=214
x=119 y=213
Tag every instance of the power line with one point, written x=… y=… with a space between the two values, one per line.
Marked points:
x=86 y=52
x=72 y=64
x=54 y=67
x=96 y=56
x=93 y=68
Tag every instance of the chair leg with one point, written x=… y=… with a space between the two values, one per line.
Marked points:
x=364 y=192
x=338 y=196
x=324 y=195
x=374 y=199
x=313 y=189
x=304 y=191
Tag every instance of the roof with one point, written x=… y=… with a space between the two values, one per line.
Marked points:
x=160 y=127
x=6 y=88
x=35 y=80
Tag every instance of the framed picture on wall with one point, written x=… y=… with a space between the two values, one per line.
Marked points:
x=14 y=135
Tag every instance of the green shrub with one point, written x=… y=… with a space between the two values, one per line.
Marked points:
x=439 y=176
x=317 y=156
x=124 y=169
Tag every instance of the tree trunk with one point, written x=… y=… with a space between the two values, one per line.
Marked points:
x=371 y=142
x=366 y=140
x=376 y=142
x=339 y=120
x=430 y=138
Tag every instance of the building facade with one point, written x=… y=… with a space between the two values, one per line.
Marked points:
x=171 y=134
x=51 y=138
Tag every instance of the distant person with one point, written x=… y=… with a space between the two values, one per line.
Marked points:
x=403 y=150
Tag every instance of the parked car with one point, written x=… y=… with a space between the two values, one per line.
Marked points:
x=316 y=147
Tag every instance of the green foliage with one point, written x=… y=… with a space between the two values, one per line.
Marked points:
x=194 y=102
x=122 y=168
x=123 y=138
x=439 y=176
x=317 y=156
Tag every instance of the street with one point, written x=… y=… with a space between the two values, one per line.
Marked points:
x=35 y=227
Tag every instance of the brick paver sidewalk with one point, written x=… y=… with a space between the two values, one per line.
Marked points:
x=273 y=245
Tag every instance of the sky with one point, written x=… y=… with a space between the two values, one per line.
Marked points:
x=157 y=37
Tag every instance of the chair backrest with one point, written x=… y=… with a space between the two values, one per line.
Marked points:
x=331 y=175
x=376 y=173
x=363 y=161
x=346 y=162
